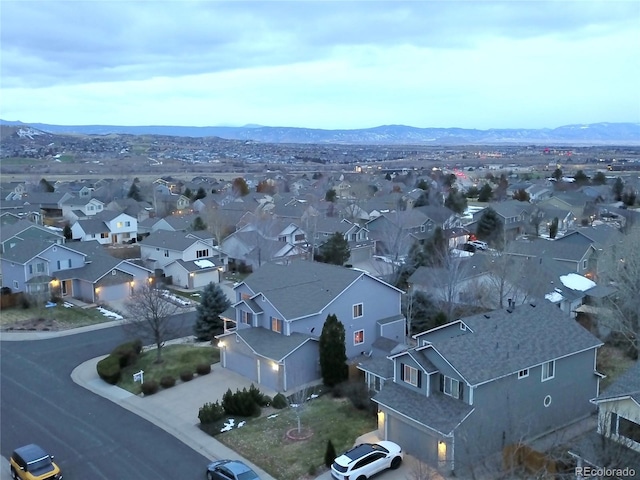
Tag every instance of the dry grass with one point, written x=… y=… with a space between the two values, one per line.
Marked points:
x=612 y=362
x=43 y=319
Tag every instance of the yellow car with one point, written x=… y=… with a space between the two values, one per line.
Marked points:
x=32 y=463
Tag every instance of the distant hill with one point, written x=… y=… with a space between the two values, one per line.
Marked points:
x=591 y=134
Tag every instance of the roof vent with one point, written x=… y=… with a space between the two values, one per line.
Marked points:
x=533 y=304
x=509 y=310
x=487 y=316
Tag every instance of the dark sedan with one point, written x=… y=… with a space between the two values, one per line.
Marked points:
x=230 y=470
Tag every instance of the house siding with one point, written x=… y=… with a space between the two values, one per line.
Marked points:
x=303 y=365
x=413 y=439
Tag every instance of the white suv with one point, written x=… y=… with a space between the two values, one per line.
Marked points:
x=365 y=460
x=479 y=244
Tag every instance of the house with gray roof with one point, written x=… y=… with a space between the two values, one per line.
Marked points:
x=81 y=270
x=616 y=441
x=12 y=233
x=473 y=386
x=106 y=227
x=75 y=208
x=280 y=310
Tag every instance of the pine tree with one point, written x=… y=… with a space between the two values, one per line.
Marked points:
x=485 y=193
x=333 y=355
x=490 y=227
x=198 y=224
x=134 y=191
x=201 y=193
x=66 y=231
x=213 y=303
x=335 y=250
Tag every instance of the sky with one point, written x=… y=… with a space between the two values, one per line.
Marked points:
x=331 y=64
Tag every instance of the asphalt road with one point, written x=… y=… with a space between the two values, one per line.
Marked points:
x=90 y=436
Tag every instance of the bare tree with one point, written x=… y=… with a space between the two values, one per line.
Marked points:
x=298 y=403
x=151 y=315
x=216 y=223
x=619 y=267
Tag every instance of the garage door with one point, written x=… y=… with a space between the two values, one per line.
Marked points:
x=413 y=441
x=242 y=364
x=111 y=293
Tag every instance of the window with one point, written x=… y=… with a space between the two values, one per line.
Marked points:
x=59 y=265
x=246 y=317
x=69 y=263
x=357 y=310
x=422 y=228
x=299 y=237
x=15 y=284
x=629 y=429
x=202 y=253
x=90 y=208
x=523 y=373
x=450 y=386
x=548 y=370
x=547 y=401
x=276 y=325
x=127 y=224
x=40 y=267
x=119 y=224
x=358 y=337
x=584 y=264
x=30 y=269
x=410 y=375
x=104 y=235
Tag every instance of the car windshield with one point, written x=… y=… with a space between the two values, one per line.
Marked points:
x=339 y=467
x=43 y=463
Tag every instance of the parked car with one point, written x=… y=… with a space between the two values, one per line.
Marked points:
x=31 y=462
x=365 y=460
x=230 y=470
x=479 y=244
x=469 y=247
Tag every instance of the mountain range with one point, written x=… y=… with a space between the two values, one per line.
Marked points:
x=586 y=134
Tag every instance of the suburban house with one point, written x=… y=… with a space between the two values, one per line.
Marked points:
x=357 y=236
x=616 y=441
x=478 y=384
x=80 y=270
x=173 y=223
x=513 y=214
x=12 y=233
x=107 y=227
x=76 y=208
x=190 y=259
x=280 y=311
x=49 y=204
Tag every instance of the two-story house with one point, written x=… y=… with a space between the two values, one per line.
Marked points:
x=12 y=233
x=280 y=311
x=473 y=386
x=190 y=259
x=616 y=441
x=81 y=270
x=360 y=247
x=76 y=208
x=106 y=227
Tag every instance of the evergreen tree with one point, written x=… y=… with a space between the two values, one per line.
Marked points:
x=188 y=193
x=553 y=228
x=331 y=195
x=422 y=200
x=45 y=186
x=599 y=178
x=134 y=191
x=213 y=303
x=198 y=224
x=333 y=355
x=485 y=193
x=329 y=454
x=473 y=192
x=557 y=174
x=66 y=231
x=201 y=193
x=456 y=201
x=521 y=195
x=617 y=189
x=581 y=178
x=490 y=227
x=335 y=250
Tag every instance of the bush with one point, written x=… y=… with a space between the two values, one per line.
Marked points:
x=210 y=412
x=109 y=369
x=128 y=353
x=186 y=375
x=329 y=454
x=241 y=403
x=167 y=381
x=279 y=401
x=150 y=387
x=203 y=368
x=358 y=394
x=258 y=396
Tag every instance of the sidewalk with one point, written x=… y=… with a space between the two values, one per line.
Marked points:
x=175 y=410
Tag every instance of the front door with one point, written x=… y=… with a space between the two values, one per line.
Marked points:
x=65 y=290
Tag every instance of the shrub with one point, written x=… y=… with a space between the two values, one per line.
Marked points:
x=109 y=369
x=127 y=353
x=167 y=381
x=186 y=375
x=210 y=412
x=149 y=387
x=203 y=368
x=358 y=394
x=279 y=401
x=260 y=398
x=329 y=454
x=241 y=403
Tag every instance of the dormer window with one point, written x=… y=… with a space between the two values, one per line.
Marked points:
x=450 y=386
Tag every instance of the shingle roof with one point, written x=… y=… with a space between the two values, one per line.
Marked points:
x=25 y=250
x=380 y=366
x=93 y=226
x=437 y=411
x=92 y=271
x=271 y=344
x=168 y=239
x=507 y=342
x=302 y=287
x=627 y=384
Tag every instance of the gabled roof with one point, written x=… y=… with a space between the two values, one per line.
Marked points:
x=303 y=287
x=15 y=229
x=270 y=344
x=96 y=267
x=558 y=250
x=505 y=343
x=626 y=385
x=25 y=250
x=167 y=239
x=93 y=226
x=437 y=412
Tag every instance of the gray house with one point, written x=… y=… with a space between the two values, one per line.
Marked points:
x=472 y=387
x=280 y=311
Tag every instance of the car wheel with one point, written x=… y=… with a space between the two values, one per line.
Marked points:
x=361 y=477
x=395 y=463
x=210 y=475
x=14 y=474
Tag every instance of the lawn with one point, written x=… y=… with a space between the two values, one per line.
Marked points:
x=177 y=358
x=55 y=318
x=264 y=442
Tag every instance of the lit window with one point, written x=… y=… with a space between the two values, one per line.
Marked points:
x=119 y=224
x=276 y=325
x=358 y=337
x=357 y=310
x=548 y=370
